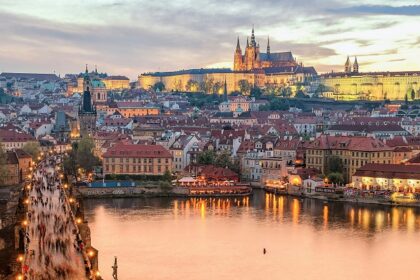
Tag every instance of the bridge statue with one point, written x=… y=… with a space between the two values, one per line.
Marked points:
x=115 y=269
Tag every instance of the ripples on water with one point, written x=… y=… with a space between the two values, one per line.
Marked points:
x=222 y=238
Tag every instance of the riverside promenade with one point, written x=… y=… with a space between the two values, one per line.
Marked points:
x=53 y=247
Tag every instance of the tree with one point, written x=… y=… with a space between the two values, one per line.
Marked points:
x=335 y=165
x=413 y=94
x=32 y=148
x=300 y=94
x=406 y=99
x=85 y=154
x=336 y=178
x=206 y=157
x=3 y=165
x=256 y=92
x=244 y=87
x=159 y=86
x=192 y=86
x=217 y=87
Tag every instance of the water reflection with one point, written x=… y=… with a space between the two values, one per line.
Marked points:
x=283 y=209
x=223 y=236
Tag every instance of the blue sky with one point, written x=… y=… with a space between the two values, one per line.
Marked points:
x=130 y=37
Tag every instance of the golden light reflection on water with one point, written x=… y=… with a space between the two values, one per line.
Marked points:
x=280 y=207
x=205 y=234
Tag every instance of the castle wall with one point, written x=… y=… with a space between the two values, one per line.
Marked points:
x=373 y=87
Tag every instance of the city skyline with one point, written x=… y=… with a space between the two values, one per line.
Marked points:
x=132 y=37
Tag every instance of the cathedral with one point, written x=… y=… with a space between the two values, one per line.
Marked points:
x=87 y=111
x=254 y=59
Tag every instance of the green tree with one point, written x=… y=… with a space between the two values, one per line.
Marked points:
x=86 y=158
x=335 y=165
x=32 y=148
x=206 y=157
x=244 y=87
x=256 y=92
x=413 y=94
x=336 y=178
x=406 y=99
x=223 y=160
x=159 y=86
x=300 y=94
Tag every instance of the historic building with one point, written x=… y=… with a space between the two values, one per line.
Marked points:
x=254 y=59
x=254 y=67
x=98 y=88
x=354 y=85
x=137 y=160
x=87 y=111
x=116 y=82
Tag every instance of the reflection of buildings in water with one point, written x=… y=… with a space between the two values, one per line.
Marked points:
x=366 y=218
x=201 y=206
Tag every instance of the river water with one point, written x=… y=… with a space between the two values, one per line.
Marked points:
x=166 y=238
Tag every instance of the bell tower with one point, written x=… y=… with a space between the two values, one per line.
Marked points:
x=87 y=111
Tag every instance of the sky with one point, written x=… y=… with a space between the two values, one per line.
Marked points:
x=130 y=37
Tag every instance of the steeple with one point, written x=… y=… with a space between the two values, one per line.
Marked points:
x=247 y=42
x=355 y=65
x=86 y=71
x=253 y=43
x=96 y=70
x=238 y=46
x=268 y=45
x=347 y=66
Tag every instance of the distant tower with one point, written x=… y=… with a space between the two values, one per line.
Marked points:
x=268 y=46
x=87 y=112
x=347 y=66
x=355 y=66
x=225 y=93
x=237 y=59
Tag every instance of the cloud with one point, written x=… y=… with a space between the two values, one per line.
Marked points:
x=409 y=10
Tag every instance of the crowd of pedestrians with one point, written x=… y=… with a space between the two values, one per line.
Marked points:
x=53 y=250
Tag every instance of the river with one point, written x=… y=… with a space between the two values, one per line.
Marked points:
x=167 y=238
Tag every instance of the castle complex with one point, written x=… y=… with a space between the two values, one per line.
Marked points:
x=354 y=85
x=254 y=59
x=254 y=67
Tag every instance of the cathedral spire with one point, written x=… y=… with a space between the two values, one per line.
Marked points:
x=347 y=66
x=238 y=46
x=355 y=65
x=96 y=70
x=253 y=43
x=247 y=41
x=268 y=45
x=86 y=71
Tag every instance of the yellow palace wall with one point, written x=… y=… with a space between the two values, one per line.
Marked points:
x=179 y=82
x=373 y=87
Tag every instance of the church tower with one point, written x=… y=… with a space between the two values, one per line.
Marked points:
x=87 y=112
x=355 y=66
x=237 y=59
x=347 y=66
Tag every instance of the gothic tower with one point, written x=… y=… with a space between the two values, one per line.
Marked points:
x=237 y=60
x=347 y=66
x=355 y=66
x=87 y=112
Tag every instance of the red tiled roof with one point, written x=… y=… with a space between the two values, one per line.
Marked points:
x=13 y=136
x=137 y=151
x=390 y=171
x=352 y=143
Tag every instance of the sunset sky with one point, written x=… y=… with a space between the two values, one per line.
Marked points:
x=129 y=37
